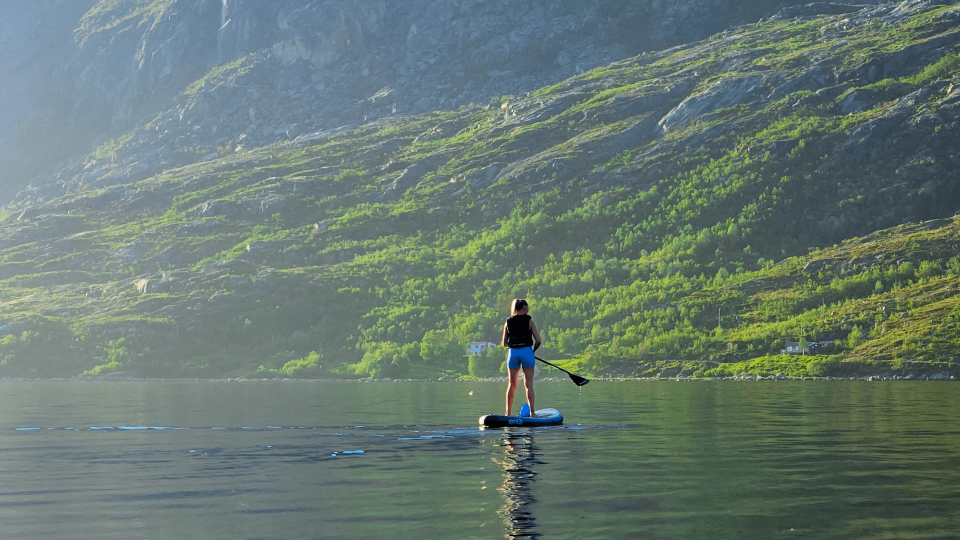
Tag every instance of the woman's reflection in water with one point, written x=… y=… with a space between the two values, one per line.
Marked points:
x=520 y=455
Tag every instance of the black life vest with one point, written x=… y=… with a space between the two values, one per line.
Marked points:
x=518 y=332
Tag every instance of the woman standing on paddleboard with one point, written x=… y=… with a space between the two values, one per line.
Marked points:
x=519 y=333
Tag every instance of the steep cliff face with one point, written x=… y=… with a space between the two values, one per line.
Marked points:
x=172 y=81
x=35 y=37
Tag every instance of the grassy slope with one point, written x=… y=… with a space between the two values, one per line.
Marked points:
x=628 y=252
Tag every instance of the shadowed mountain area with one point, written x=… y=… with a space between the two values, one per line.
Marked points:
x=157 y=84
x=358 y=189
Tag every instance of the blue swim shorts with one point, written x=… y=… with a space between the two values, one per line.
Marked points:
x=521 y=357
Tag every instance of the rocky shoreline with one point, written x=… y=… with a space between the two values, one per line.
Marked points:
x=940 y=376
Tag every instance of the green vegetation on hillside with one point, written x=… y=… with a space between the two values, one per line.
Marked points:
x=382 y=251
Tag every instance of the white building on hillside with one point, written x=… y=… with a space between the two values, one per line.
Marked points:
x=479 y=347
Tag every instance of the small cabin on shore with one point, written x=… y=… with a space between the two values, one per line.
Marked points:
x=479 y=347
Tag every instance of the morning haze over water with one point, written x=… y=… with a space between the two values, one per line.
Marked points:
x=666 y=460
x=256 y=259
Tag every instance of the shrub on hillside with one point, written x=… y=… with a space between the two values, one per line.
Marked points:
x=485 y=365
x=385 y=359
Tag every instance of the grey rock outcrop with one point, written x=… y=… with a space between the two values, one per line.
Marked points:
x=204 y=77
x=815 y=9
x=724 y=93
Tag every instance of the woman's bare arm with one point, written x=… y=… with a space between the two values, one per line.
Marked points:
x=536 y=335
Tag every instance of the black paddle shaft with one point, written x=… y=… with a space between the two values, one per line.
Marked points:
x=577 y=380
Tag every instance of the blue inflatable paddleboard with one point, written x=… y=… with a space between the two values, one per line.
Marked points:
x=543 y=417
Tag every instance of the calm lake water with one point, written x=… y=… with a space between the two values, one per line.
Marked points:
x=659 y=460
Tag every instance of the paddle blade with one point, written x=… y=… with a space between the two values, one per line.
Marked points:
x=577 y=380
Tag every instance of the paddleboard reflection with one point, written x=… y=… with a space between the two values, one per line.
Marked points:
x=517 y=463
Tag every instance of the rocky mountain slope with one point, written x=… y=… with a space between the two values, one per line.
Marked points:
x=35 y=37
x=157 y=84
x=657 y=210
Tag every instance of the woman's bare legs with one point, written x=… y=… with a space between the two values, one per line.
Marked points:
x=511 y=389
x=528 y=386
